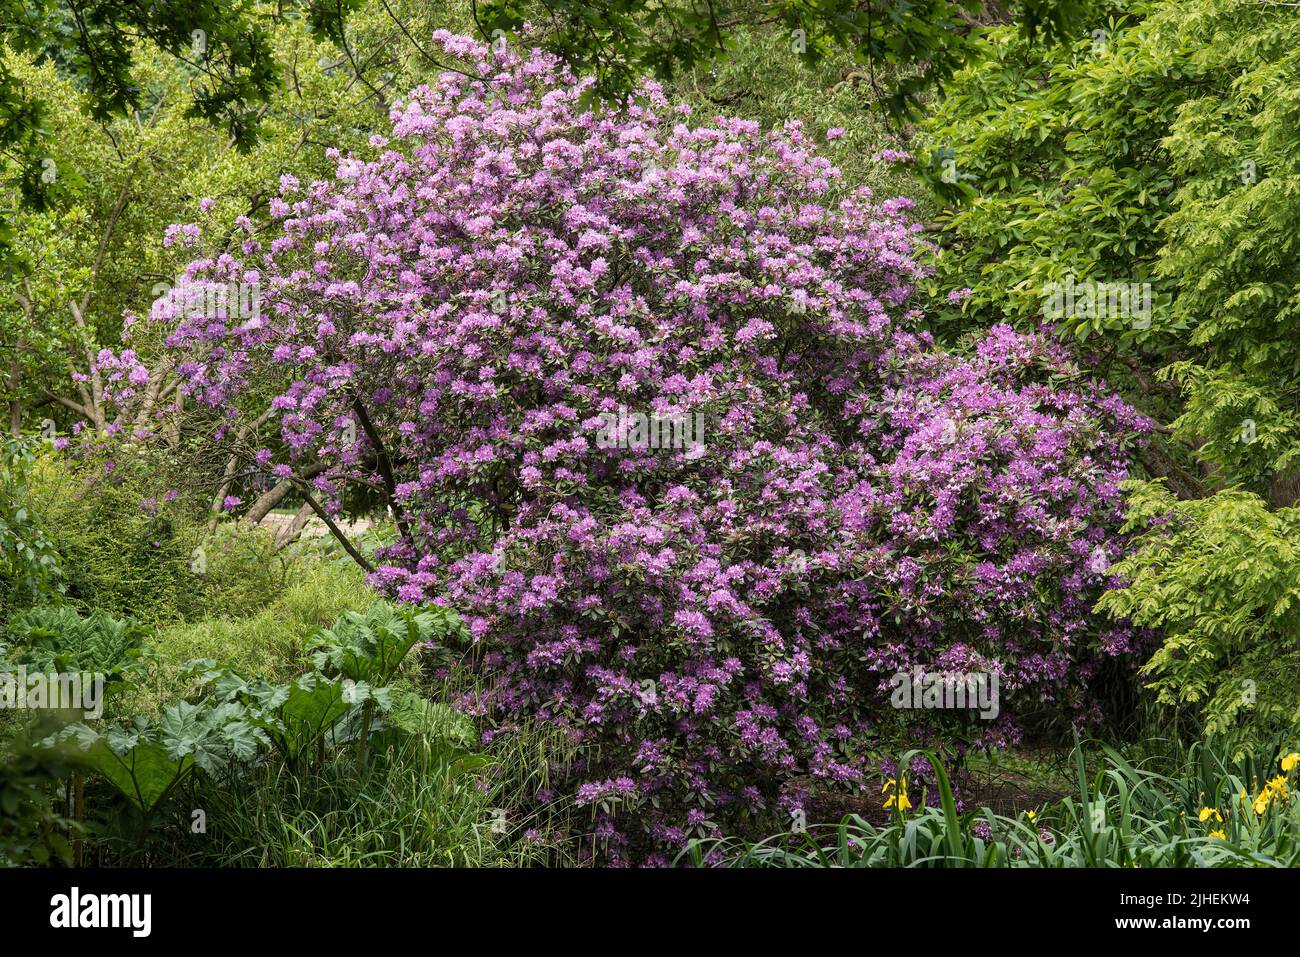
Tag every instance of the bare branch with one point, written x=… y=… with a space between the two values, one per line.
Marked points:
x=334 y=529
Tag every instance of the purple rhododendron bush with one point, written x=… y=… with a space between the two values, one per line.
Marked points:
x=467 y=324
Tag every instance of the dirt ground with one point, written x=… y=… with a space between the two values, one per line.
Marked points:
x=1003 y=790
x=315 y=528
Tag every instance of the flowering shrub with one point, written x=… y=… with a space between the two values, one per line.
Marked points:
x=452 y=322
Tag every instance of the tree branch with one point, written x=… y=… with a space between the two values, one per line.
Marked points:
x=1160 y=464
x=383 y=462
x=334 y=529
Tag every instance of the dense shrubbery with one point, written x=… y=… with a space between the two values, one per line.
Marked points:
x=448 y=323
x=128 y=545
x=1220 y=579
x=1132 y=160
x=344 y=764
x=1164 y=152
x=29 y=563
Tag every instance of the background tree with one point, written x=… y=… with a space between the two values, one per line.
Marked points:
x=619 y=42
x=1160 y=150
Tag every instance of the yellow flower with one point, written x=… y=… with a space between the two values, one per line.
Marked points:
x=1274 y=790
x=1032 y=815
x=1219 y=834
x=1290 y=761
x=899 y=800
x=1211 y=812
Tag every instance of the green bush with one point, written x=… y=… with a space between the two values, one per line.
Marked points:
x=419 y=794
x=1165 y=153
x=118 y=557
x=56 y=638
x=336 y=767
x=1057 y=167
x=29 y=564
x=1220 y=578
x=269 y=644
x=128 y=551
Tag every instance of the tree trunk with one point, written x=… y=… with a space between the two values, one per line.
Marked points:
x=289 y=534
x=1284 y=491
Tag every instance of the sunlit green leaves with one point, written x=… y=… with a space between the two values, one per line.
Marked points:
x=58 y=639
x=370 y=647
x=1220 y=579
x=147 y=759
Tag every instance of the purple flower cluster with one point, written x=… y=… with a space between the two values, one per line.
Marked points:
x=449 y=320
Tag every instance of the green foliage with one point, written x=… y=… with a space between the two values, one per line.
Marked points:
x=1220 y=578
x=118 y=557
x=29 y=564
x=425 y=797
x=208 y=745
x=355 y=661
x=58 y=639
x=222 y=53
x=32 y=831
x=149 y=758
x=419 y=799
x=618 y=43
x=1059 y=168
x=1232 y=250
x=225 y=50
x=418 y=803
x=267 y=644
x=411 y=713
x=127 y=551
x=295 y=718
x=371 y=647
x=1134 y=160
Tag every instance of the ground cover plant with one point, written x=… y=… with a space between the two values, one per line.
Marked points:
x=1211 y=812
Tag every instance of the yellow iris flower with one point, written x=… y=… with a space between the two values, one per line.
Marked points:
x=899 y=800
